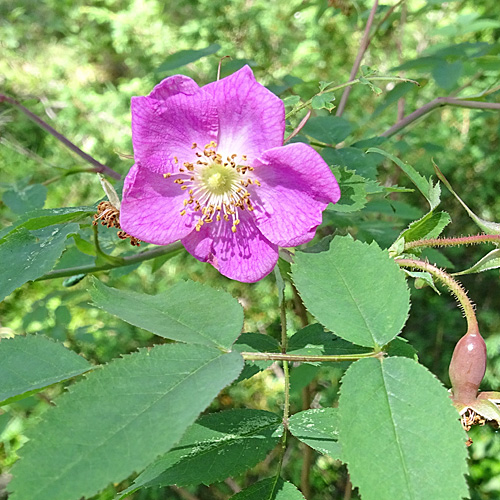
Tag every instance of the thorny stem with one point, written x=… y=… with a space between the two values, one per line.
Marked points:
x=453 y=285
x=125 y=261
x=98 y=167
x=365 y=42
x=436 y=103
x=453 y=242
x=329 y=89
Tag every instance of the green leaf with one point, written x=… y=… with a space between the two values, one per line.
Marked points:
x=353 y=189
x=356 y=290
x=400 y=434
x=430 y=225
x=168 y=314
x=401 y=347
x=38 y=219
x=21 y=200
x=119 y=419
x=422 y=278
x=376 y=90
x=327 y=129
x=291 y=100
x=432 y=192
x=489 y=261
x=323 y=101
x=27 y=255
x=184 y=57
x=353 y=159
x=447 y=74
x=28 y=364
x=318 y=428
x=217 y=446
x=272 y=488
x=486 y=226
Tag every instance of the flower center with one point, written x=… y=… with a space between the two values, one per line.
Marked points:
x=218 y=178
x=216 y=188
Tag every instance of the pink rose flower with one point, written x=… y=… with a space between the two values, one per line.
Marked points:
x=212 y=171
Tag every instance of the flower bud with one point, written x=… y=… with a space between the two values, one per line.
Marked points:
x=467 y=367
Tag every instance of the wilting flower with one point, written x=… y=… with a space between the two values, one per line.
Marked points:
x=212 y=171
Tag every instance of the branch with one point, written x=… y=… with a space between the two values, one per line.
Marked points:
x=365 y=42
x=98 y=167
x=436 y=103
x=271 y=356
x=453 y=285
x=126 y=261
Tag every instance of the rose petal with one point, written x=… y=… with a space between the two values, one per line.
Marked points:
x=151 y=207
x=177 y=84
x=251 y=118
x=164 y=129
x=243 y=256
x=296 y=186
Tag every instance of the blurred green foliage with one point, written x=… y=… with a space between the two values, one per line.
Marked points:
x=77 y=63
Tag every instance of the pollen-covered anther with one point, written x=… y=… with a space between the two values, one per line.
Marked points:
x=133 y=240
x=108 y=214
x=217 y=186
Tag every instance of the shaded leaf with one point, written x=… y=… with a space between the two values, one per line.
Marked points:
x=327 y=129
x=392 y=436
x=447 y=74
x=218 y=445
x=168 y=314
x=356 y=290
x=21 y=200
x=27 y=255
x=28 y=364
x=313 y=340
x=38 y=219
x=184 y=57
x=119 y=419
x=431 y=192
x=318 y=428
x=273 y=488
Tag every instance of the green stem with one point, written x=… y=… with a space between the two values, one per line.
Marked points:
x=286 y=372
x=270 y=356
x=68 y=173
x=326 y=90
x=453 y=285
x=127 y=261
x=453 y=242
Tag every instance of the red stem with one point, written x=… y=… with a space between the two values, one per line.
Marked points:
x=98 y=167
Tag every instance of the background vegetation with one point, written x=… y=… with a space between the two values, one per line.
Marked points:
x=77 y=63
